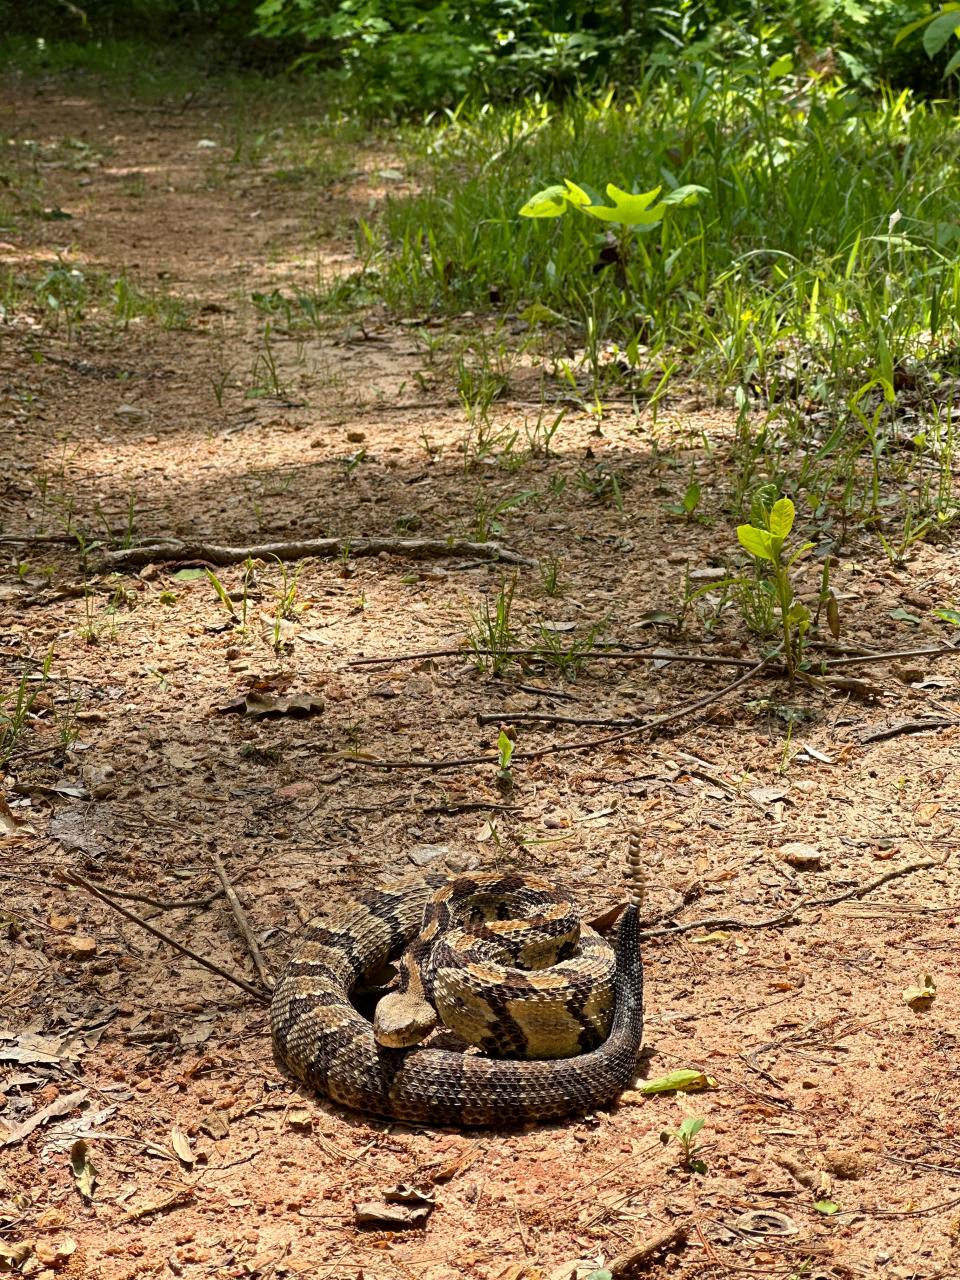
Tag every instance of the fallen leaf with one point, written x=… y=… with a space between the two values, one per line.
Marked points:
x=53 y=1110
x=768 y=795
x=391 y=1216
x=686 y=1080
x=718 y=935
x=922 y=995
x=300 y=1118
x=265 y=704
x=827 y=1206
x=12 y=1253
x=83 y=1169
x=814 y=754
x=55 y=1253
x=900 y=615
x=215 y=1126
x=181 y=1145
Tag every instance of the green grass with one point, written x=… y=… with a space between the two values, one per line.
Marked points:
x=826 y=250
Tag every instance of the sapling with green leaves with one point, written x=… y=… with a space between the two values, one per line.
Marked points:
x=685 y=1135
x=766 y=545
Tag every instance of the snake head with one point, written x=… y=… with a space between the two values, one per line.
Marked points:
x=401 y=1020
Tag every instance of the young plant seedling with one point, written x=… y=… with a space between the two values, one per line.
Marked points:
x=505 y=750
x=766 y=546
x=685 y=1135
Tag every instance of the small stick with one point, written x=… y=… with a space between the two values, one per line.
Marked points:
x=698 y=705
x=868 y=658
x=673 y=1237
x=805 y=904
x=71 y=877
x=243 y=924
x=165 y=904
x=610 y=654
x=214 y=553
x=544 y=717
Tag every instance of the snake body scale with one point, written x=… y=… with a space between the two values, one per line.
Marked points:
x=322 y=1040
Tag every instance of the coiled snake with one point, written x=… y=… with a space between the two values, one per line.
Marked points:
x=324 y=1042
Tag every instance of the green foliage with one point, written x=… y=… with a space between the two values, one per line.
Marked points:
x=685 y=1136
x=764 y=540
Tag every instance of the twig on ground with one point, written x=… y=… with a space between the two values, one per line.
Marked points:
x=523 y=756
x=544 y=717
x=214 y=553
x=861 y=659
x=805 y=904
x=164 y=904
x=71 y=877
x=243 y=924
x=672 y=1238
x=609 y=654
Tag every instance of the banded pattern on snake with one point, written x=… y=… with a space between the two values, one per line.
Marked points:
x=323 y=1041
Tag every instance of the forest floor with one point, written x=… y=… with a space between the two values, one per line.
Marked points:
x=161 y=407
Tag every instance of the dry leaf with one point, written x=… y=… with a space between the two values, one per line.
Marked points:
x=181 y=1145
x=53 y=1111
x=300 y=1118
x=55 y=1253
x=215 y=1126
x=922 y=995
x=83 y=1169
x=266 y=704
x=377 y=1213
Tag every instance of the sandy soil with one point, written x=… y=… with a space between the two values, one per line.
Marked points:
x=831 y=1090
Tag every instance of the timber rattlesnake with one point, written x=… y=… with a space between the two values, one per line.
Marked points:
x=324 y=1042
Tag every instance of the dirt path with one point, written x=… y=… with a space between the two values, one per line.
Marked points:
x=184 y=419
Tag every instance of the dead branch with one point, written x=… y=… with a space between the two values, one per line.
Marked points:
x=163 y=904
x=71 y=877
x=861 y=659
x=544 y=717
x=610 y=654
x=672 y=1238
x=409 y=548
x=524 y=756
x=805 y=904
x=243 y=924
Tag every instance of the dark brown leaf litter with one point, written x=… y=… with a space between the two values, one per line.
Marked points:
x=832 y=1090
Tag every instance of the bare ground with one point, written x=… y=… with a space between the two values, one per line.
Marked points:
x=830 y=1089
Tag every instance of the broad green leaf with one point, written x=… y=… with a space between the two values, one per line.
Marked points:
x=189 y=575
x=690 y=1126
x=782 y=67
x=781 y=519
x=953 y=65
x=630 y=210
x=757 y=541
x=505 y=749
x=551 y=202
x=910 y=28
x=684 y=1081
x=800 y=552
x=576 y=195
x=939 y=31
x=827 y=1207
x=901 y=615
x=537 y=313
x=948 y=615
x=686 y=195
